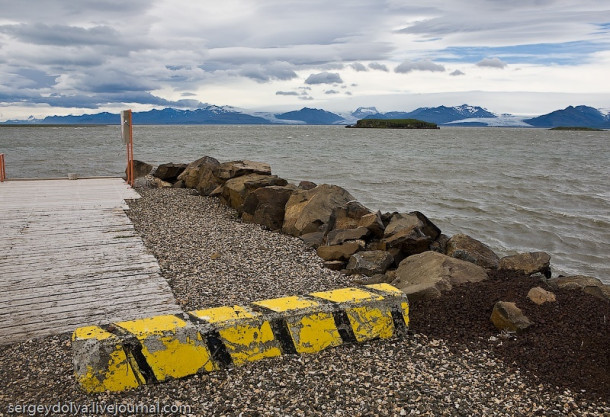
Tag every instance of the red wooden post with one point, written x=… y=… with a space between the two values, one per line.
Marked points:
x=2 y=168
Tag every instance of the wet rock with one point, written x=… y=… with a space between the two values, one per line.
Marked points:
x=464 y=247
x=369 y=262
x=308 y=210
x=338 y=252
x=426 y=275
x=507 y=316
x=529 y=263
x=540 y=296
x=191 y=173
x=169 y=172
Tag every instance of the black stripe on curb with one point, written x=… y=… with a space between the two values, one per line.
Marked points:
x=133 y=350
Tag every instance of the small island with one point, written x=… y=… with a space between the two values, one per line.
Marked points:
x=577 y=128
x=393 y=124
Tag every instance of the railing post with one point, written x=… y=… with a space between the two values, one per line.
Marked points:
x=127 y=134
x=2 y=168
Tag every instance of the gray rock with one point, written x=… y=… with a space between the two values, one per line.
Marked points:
x=369 y=262
x=529 y=263
x=464 y=247
x=427 y=274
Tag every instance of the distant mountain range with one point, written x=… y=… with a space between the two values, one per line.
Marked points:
x=464 y=115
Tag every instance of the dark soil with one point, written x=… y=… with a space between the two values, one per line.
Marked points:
x=567 y=347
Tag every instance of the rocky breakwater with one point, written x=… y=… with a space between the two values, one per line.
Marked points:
x=406 y=250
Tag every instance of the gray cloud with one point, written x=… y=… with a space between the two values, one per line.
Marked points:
x=286 y=93
x=457 y=72
x=324 y=78
x=492 y=62
x=357 y=66
x=379 y=67
x=424 y=65
x=330 y=92
x=60 y=35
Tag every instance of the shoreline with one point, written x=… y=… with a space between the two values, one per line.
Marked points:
x=211 y=258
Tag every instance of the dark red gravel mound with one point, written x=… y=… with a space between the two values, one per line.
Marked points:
x=568 y=346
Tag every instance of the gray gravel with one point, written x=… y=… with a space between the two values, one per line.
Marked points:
x=210 y=259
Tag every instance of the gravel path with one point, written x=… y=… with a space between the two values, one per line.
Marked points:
x=210 y=259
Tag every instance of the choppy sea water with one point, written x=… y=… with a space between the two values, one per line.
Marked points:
x=514 y=189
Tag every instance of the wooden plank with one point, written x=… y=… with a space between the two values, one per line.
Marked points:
x=69 y=256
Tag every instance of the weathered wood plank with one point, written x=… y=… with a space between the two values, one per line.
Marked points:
x=69 y=256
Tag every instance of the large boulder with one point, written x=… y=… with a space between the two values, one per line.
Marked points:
x=464 y=247
x=308 y=210
x=409 y=233
x=234 y=191
x=369 y=262
x=267 y=205
x=169 y=172
x=589 y=285
x=529 y=263
x=233 y=169
x=426 y=275
x=140 y=169
x=190 y=175
x=507 y=316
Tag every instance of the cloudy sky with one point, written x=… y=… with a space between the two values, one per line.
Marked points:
x=87 y=56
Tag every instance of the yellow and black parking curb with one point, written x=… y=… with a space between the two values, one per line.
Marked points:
x=128 y=354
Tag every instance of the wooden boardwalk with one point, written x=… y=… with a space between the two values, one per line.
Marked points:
x=69 y=256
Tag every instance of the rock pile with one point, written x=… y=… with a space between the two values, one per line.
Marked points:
x=404 y=249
